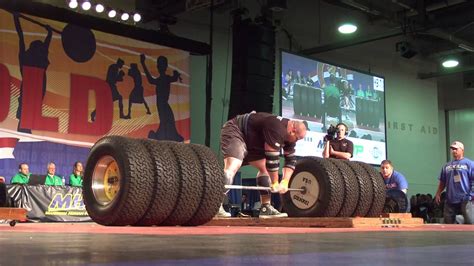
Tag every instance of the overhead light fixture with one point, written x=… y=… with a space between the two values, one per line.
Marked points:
x=276 y=5
x=137 y=17
x=449 y=63
x=112 y=13
x=124 y=16
x=86 y=5
x=73 y=4
x=347 y=28
x=99 y=8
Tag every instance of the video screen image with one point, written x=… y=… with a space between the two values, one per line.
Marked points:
x=324 y=94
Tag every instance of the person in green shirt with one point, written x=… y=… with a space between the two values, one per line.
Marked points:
x=75 y=179
x=51 y=178
x=23 y=175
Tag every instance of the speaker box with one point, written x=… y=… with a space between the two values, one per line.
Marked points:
x=253 y=68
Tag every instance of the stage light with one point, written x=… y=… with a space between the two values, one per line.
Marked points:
x=124 y=16
x=112 y=13
x=449 y=63
x=137 y=17
x=99 y=8
x=73 y=4
x=86 y=5
x=347 y=28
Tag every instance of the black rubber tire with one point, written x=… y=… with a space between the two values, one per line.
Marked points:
x=136 y=170
x=365 y=189
x=378 y=187
x=191 y=185
x=396 y=201
x=166 y=182
x=351 y=188
x=331 y=189
x=214 y=181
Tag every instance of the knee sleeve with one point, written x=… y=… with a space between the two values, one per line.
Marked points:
x=264 y=181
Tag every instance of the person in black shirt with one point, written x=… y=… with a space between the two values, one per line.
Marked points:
x=340 y=147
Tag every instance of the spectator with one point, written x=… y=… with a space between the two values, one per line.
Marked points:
x=245 y=202
x=23 y=175
x=457 y=176
x=75 y=179
x=51 y=178
x=392 y=178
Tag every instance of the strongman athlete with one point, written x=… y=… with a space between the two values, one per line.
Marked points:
x=256 y=139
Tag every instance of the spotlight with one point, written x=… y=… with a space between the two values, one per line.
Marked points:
x=449 y=63
x=137 y=17
x=86 y=5
x=73 y=4
x=99 y=8
x=112 y=13
x=124 y=16
x=347 y=28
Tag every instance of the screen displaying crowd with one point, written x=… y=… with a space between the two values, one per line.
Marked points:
x=324 y=95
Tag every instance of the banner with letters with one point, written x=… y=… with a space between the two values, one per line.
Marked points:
x=62 y=87
x=50 y=203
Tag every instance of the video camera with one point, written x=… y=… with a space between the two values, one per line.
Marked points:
x=331 y=133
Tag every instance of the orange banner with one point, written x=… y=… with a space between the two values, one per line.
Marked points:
x=66 y=84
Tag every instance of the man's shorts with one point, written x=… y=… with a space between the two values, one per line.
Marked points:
x=232 y=140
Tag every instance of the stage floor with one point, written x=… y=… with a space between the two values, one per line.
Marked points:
x=93 y=244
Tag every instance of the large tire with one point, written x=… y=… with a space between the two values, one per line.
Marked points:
x=191 y=187
x=351 y=188
x=214 y=181
x=378 y=187
x=166 y=182
x=365 y=189
x=324 y=189
x=396 y=201
x=118 y=180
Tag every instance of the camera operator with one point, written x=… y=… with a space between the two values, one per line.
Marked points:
x=336 y=145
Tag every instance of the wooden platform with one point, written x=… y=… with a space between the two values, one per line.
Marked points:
x=390 y=220
x=12 y=214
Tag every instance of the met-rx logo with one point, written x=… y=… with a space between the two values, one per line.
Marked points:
x=67 y=201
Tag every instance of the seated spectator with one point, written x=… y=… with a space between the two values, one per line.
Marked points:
x=22 y=176
x=75 y=179
x=51 y=178
x=392 y=178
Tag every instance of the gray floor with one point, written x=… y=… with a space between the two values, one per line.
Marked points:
x=347 y=248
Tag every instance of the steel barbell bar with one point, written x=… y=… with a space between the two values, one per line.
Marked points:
x=260 y=188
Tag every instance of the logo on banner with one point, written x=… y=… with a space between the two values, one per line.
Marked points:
x=67 y=204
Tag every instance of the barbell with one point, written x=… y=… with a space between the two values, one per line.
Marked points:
x=144 y=182
x=303 y=189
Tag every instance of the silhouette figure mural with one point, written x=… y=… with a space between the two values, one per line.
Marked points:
x=136 y=96
x=35 y=56
x=114 y=75
x=167 y=128
x=78 y=43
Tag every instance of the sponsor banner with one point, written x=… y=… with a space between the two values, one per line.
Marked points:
x=50 y=203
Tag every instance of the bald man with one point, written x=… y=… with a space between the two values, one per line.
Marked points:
x=256 y=139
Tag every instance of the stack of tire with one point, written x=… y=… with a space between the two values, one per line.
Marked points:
x=335 y=188
x=147 y=182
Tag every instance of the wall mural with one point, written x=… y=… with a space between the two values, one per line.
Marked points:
x=62 y=87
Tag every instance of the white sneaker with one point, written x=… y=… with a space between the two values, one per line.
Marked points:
x=222 y=213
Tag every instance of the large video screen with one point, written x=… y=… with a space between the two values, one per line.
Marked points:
x=324 y=94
